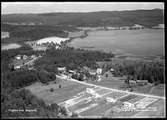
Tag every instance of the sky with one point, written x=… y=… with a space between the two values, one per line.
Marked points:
x=45 y=7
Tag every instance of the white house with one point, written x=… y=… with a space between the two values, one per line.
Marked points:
x=112 y=70
x=18 y=57
x=99 y=71
x=61 y=68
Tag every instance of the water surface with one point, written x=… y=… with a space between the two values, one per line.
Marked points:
x=10 y=46
x=131 y=42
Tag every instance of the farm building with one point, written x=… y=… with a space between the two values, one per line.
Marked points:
x=160 y=26
x=137 y=26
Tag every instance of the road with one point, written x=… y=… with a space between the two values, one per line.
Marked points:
x=116 y=90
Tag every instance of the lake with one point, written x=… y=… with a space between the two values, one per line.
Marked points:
x=146 y=42
x=10 y=46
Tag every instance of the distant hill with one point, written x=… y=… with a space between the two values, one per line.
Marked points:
x=104 y=18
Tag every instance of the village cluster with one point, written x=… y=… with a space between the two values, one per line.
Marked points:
x=24 y=62
x=95 y=96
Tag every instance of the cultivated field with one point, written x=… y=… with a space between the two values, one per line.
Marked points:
x=68 y=89
x=75 y=97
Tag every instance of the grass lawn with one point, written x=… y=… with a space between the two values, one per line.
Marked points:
x=68 y=90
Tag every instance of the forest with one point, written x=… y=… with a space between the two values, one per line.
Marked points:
x=13 y=94
x=153 y=71
x=147 y=18
x=71 y=58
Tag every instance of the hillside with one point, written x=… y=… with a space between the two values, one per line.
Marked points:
x=116 y=18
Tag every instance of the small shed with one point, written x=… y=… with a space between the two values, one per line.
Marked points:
x=109 y=99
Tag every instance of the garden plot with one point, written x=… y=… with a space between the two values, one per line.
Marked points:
x=127 y=98
x=75 y=100
x=117 y=95
x=99 y=110
x=86 y=108
x=143 y=103
x=103 y=91
x=135 y=99
x=82 y=104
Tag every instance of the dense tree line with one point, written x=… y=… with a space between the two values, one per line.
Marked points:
x=72 y=58
x=152 y=71
x=103 y=18
x=25 y=101
x=13 y=97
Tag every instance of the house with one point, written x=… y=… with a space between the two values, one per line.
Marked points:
x=17 y=67
x=142 y=82
x=99 y=71
x=133 y=82
x=92 y=72
x=112 y=70
x=24 y=57
x=33 y=56
x=18 y=57
x=71 y=71
x=137 y=26
x=61 y=69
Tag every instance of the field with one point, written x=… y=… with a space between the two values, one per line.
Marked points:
x=68 y=89
x=75 y=97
